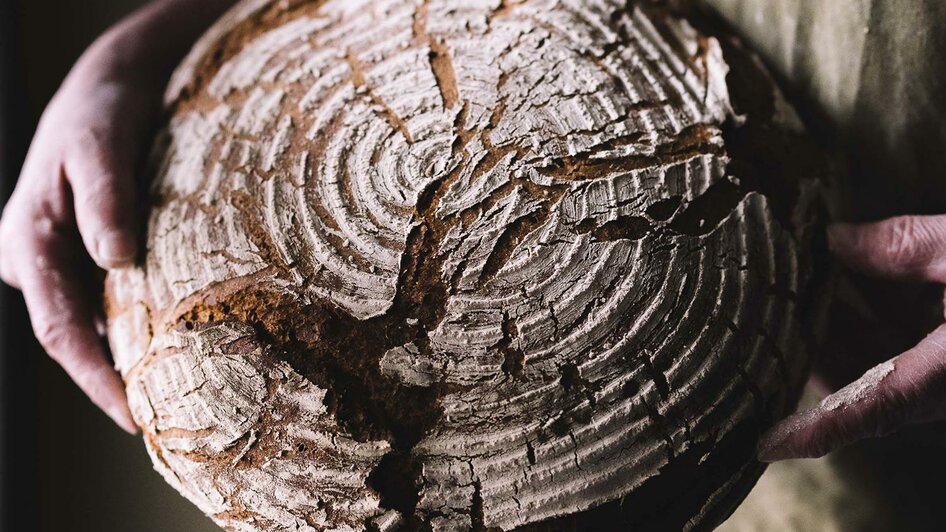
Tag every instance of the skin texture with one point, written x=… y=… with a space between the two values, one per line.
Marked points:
x=72 y=214
x=910 y=388
x=73 y=206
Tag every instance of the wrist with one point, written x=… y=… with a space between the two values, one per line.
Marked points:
x=106 y=69
x=115 y=58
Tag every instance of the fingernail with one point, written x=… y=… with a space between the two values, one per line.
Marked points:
x=115 y=248
x=841 y=235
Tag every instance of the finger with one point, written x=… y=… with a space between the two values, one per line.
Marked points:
x=906 y=247
x=10 y=225
x=58 y=309
x=7 y=273
x=103 y=191
x=37 y=196
x=909 y=389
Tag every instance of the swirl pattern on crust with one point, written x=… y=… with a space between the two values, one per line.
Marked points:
x=456 y=265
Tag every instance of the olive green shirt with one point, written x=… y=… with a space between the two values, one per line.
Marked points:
x=870 y=77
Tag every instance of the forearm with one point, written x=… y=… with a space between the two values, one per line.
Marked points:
x=145 y=47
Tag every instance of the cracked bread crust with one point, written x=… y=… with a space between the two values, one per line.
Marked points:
x=454 y=265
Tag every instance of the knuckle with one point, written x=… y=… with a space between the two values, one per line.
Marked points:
x=5 y=233
x=7 y=274
x=31 y=237
x=12 y=248
x=907 y=241
x=12 y=222
x=54 y=338
x=33 y=209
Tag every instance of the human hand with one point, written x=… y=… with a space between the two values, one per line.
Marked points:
x=72 y=214
x=910 y=388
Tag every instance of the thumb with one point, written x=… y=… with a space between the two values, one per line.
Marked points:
x=909 y=389
x=104 y=195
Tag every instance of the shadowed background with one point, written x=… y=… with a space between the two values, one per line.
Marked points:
x=65 y=466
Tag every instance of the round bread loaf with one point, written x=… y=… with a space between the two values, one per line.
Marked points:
x=467 y=265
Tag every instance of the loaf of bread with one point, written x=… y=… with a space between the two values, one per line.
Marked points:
x=467 y=265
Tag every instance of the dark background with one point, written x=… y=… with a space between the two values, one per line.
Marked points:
x=65 y=467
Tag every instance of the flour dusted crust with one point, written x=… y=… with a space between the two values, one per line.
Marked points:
x=461 y=264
